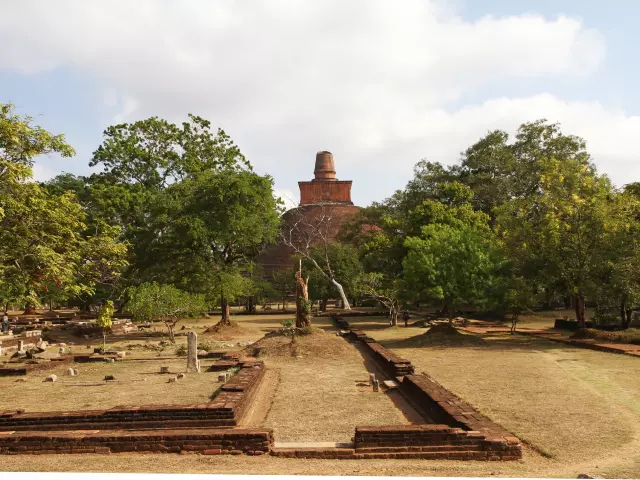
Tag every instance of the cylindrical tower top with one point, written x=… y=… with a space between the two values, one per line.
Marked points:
x=325 y=169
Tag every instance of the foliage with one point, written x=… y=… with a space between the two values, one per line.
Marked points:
x=45 y=250
x=152 y=301
x=451 y=263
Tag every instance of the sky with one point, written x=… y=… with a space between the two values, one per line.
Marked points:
x=380 y=84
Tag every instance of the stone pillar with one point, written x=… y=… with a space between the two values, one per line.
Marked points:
x=21 y=345
x=193 y=364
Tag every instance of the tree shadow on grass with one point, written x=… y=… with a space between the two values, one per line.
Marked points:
x=490 y=341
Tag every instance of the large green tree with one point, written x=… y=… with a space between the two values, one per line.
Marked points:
x=558 y=233
x=203 y=232
x=43 y=240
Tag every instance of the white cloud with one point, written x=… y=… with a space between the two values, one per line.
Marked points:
x=372 y=81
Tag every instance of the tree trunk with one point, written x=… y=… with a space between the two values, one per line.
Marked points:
x=226 y=314
x=393 y=316
x=303 y=317
x=546 y=305
x=170 y=326
x=567 y=302
x=343 y=297
x=252 y=305
x=29 y=309
x=623 y=313
x=51 y=305
x=514 y=322
x=323 y=304
x=284 y=304
x=579 y=308
x=104 y=340
x=6 y=308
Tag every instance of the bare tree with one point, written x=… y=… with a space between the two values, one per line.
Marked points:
x=310 y=230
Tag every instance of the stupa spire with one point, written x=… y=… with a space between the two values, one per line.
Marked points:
x=325 y=168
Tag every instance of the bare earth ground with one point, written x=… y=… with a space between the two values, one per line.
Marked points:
x=325 y=394
x=581 y=408
x=137 y=383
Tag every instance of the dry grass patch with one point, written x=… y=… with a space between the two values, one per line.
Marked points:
x=319 y=397
x=581 y=407
x=137 y=383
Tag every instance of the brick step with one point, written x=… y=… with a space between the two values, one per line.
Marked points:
x=312 y=452
x=426 y=448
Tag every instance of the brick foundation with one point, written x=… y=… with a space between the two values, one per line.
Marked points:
x=205 y=441
x=225 y=410
x=460 y=431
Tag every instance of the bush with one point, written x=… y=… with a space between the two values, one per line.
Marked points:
x=604 y=317
x=206 y=346
x=181 y=351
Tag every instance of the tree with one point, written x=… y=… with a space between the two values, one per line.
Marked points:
x=309 y=232
x=384 y=290
x=203 y=232
x=617 y=281
x=451 y=263
x=558 y=233
x=283 y=282
x=104 y=320
x=343 y=261
x=498 y=171
x=166 y=303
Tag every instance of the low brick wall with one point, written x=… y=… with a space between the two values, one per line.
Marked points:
x=432 y=441
x=459 y=430
x=205 y=441
x=225 y=410
x=393 y=364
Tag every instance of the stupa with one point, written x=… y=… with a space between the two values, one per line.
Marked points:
x=325 y=196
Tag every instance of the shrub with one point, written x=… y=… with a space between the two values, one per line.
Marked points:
x=181 y=351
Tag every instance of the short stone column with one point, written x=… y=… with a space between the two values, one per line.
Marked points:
x=21 y=346
x=193 y=364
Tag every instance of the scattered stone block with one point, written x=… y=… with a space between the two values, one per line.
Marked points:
x=181 y=376
x=109 y=378
x=376 y=386
x=222 y=377
x=202 y=353
x=372 y=378
x=71 y=372
x=121 y=354
x=390 y=384
x=21 y=380
x=51 y=378
x=173 y=379
x=164 y=369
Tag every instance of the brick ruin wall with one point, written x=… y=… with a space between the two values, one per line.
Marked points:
x=210 y=428
x=460 y=431
x=205 y=441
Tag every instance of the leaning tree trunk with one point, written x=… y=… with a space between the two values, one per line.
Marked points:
x=303 y=314
x=579 y=308
x=170 y=326
x=343 y=297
